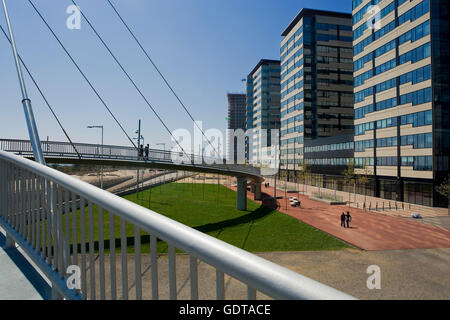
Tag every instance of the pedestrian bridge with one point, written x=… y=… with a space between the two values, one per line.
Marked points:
x=110 y=155
x=38 y=212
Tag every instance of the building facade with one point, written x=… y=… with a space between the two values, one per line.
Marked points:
x=316 y=83
x=401 y=96
x=237 y=118
x=249 y=123
x=263 y=108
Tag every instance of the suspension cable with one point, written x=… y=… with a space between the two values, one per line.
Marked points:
x=82 y=73
x=43 y=96
x=132 y=81
x=161 y=75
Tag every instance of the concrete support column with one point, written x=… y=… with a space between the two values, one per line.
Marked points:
x=257 y=191
x=242 y=193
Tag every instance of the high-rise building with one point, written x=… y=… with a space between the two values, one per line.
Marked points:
x=263 y=109
x=402 y=96
x=249 y=115
x=316 y=86
x=237 y=119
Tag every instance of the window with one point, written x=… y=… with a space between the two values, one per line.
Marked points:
x=415 y=55
x=386 y=123
x=416 y=97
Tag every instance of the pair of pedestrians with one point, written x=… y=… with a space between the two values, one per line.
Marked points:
x=346 y=219
x=143 y=152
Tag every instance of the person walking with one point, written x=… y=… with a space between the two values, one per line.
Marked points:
x=348 y=219
x=141 y=152
x=147 y=148
x=343 y=219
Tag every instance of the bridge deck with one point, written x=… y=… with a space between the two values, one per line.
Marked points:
x=19 y=280
x=63 y=152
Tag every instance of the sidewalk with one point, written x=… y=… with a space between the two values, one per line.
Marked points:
x=19 y=280
x=383 y=206
x=369 y=230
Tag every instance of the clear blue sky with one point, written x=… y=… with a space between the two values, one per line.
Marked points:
x=204 y=47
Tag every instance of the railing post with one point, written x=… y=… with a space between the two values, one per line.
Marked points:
x=55 y=294
x=9 y=243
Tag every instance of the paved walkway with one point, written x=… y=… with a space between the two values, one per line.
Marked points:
x=369 y=230
x=19 y=280
x=405 y=274
x=443 y=222
x=383 y=206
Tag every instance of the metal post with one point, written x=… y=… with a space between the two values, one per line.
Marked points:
x=26 y=102
x=139 y=150
x=101 y=167
x=218 y=187
x=285 y=192
x=101 y=177
x=335 y=187
x=9 y=242
x=142 y=184
x=139 y=135
x=275 y=189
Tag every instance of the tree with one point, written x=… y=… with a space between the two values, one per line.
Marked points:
x=363 y=179
x=444 y=189
x=305 y=173
x=349 y=176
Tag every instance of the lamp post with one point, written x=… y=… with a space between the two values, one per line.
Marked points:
x=139 y=137
x=101 y=174
x=164 y=157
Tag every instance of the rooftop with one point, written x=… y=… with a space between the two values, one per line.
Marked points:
x=313 y=12
x=263 y=62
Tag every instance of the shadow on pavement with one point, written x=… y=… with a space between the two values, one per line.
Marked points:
x=36 y=280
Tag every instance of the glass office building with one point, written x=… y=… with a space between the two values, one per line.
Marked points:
x=316 y=84
x=263 y=108
x=401 y=96
x=237 y=117
x=249 y=123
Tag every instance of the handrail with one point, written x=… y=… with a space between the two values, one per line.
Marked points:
x=17 y=145
x=64 y=150
x=258 y=273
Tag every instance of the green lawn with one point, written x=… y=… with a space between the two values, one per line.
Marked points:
x=212 y=210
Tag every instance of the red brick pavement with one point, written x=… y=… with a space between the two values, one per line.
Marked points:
x=368 y=230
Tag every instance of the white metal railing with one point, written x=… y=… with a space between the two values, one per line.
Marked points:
x=37 y=212
x=56 y=149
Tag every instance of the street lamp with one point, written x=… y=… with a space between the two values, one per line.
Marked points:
x=164 y=157
x=139 y=137
x=143 y=140
x=101 y=175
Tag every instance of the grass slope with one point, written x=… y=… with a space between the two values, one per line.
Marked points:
x=212 y=209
